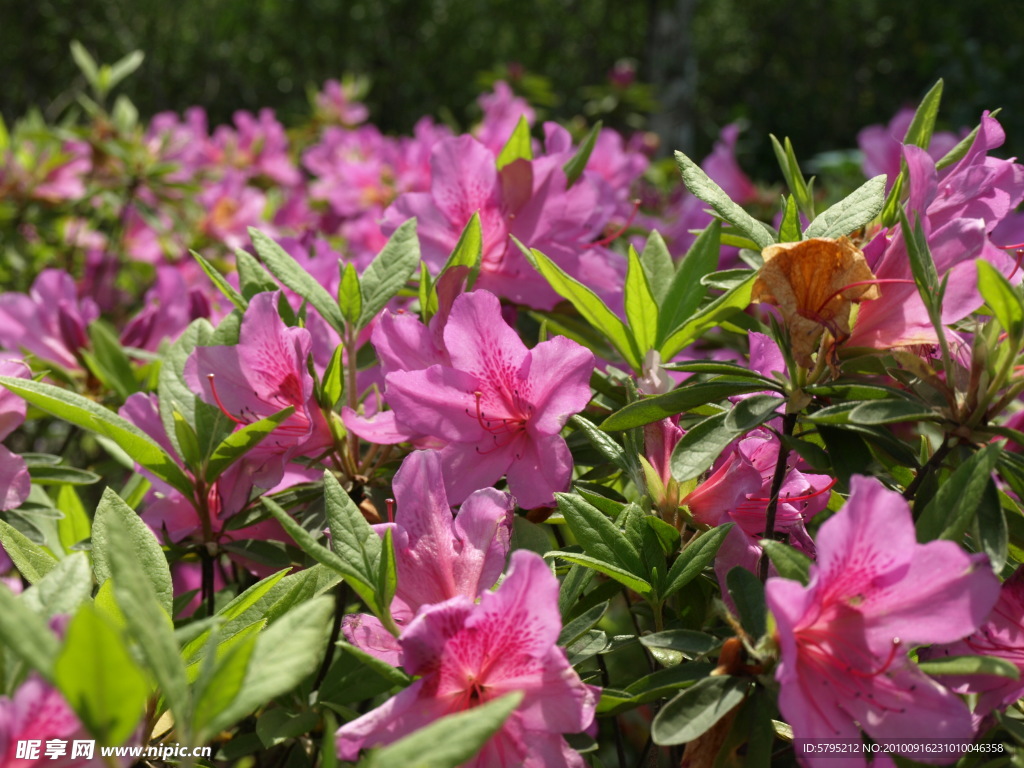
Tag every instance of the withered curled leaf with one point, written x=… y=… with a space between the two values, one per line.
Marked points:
x=814 y=283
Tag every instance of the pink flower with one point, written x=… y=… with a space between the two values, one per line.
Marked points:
x=467 y=654
x=496 y=406
x=37 y=712
x=873 y=594
x=882 y=146
x=1002 y=635
x=265 y=372
x=335 y=103
x=15 y=483
x=50 y=322
x=502 y=110
x=437 y=556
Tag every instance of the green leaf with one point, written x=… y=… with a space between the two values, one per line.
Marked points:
x=578 y=163
x=957 y=153
x=333 y=384
x=789 y=229
x=32 y=561
x=919 y=132
x=638 y=584
x=747 y=593
x=291 y=274
x=599 y=536
x=658 y=266
x=713 y=315
x=685 y=398
x=697 y=556
x=990 y=528
x=590 y=306
x=798 y=187
x=876 y=412
x=694 y=711
x=63 y=589
x=518 y=145
x=220 y=681
x=226 y=288
x=75 y=526
x=852 y=212
x=1002 y=298
x=285 y=653
x=26 y=634
x=389 y=271
x=789 y=562
x=123 y=67
x=188 y=441
x=752 y=412
x=148 y=622
x=356 y=544
x=450 y=741
x=585 y=621
x=110 y=362
x=704 y=188
x=970 y=665
x=922 y=266
x=608 y=448
x=954 y=506
x=86 y=63
x=237 y=444
x=467 y=253
x=697 y=450
x=641 y=307
x=99 y=678
x=683 y=640
x=95 y=418
x=112 y=512
x=685 y=291
x=253 y=277
x=350 y=300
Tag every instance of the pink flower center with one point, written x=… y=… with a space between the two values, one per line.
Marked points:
x=503 y=429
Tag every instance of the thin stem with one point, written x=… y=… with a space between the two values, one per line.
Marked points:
x=339 y=611
x=353 y=392
x=788 y=424
x=930 y=466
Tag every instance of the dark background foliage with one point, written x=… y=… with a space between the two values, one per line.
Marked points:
x=814 y=71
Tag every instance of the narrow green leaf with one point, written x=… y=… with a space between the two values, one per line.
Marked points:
x=188 y=442
x=387 y=574
x=685 y=291
x=697 y=556
x=658 y=265
x=99 y=678
x=798 y=187
x=333 y=384
x=356 y=544
x=226 y=288
x=639 y=585
x=874 y=412
x=109 y=357
x=590 y=306
x=683 y=640
x=852 y=212
x=970 y=665
x=641 y=307
x=75 y=526
x=990 y=528
x=253 y=277
x=789 y=562
x=599 y=536
x=789 y=229
x=123 y=67
x=26 y=634
x=285 y=653
x=518 y=146
x=954 y=506
x=291 y=274
x=451 y=741
x=713 y=315
x=86 y=63
x=237 y=444
x=585 y=621
x=220 y=682
x=752 y=412
x=685 y=398
x=704 y=188
x=607 y=447
x=1000 y=295
x=919 y=132
x=32 y=561
x=578 y=163
x=49 y=475
x=389 y=271
x=957 y=153
x=350 y=300
x=694 y=711
x=922 y=266
x=95 y=418
x=747 y=593
x=145 y=550
x=697 y=450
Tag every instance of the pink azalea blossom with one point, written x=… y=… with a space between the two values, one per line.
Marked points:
x=437 y=556
x=265 y=372
x=502 y=110
x=957 y=208
x=335 y=104
x=496 y=406
x=15 y=482
x=468 y=653
x=37 y=712
x=50 y=322
x=526 y=199
x=873 y=594
x=882 y=145
x=1002 y=635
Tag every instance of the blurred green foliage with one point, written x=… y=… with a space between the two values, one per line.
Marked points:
x=816 y=72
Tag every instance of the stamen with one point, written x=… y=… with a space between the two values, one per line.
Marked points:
x=216 y=398
x=619 y=232
x=877 y=281
x=391 y=509
x=1019 y=248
